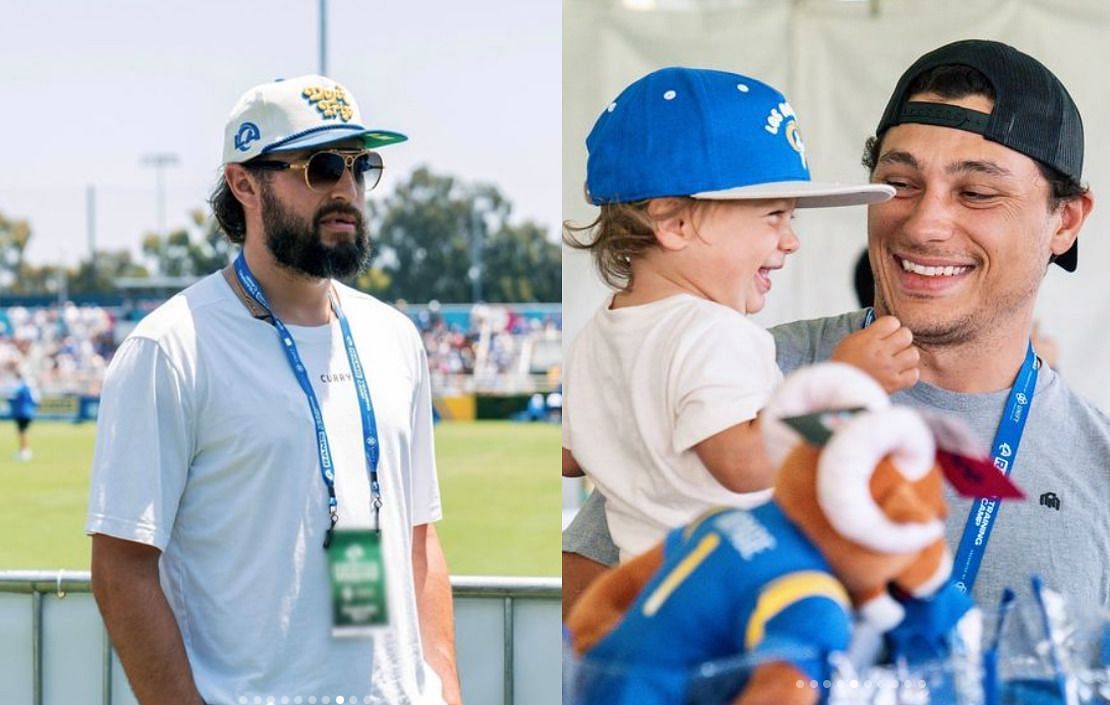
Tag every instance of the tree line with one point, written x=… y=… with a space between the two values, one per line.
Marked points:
x=435 y=237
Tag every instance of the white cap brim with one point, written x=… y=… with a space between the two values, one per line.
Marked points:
x=810 y=194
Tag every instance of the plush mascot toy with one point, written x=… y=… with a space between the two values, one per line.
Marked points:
x=852 y=524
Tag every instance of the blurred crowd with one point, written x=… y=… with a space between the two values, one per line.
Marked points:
x=64 y=350
x=487 y=348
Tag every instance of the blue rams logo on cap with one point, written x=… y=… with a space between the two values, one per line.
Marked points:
x=248 y=132
x=784 y=113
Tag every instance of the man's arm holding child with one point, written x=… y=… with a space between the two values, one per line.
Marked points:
x=571 y=468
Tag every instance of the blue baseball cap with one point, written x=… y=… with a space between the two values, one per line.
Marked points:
x=710 y=135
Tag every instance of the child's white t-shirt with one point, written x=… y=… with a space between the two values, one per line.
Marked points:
x=642 y=386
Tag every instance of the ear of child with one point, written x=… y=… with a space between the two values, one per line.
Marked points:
x=672 y=224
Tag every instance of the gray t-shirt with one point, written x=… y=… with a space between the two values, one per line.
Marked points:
x=1061 y=531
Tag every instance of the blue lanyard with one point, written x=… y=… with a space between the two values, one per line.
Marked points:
x=984 y=512
x=869 y=316
x=366 y=408
x=981 y=518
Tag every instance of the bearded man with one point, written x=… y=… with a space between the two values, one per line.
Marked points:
x=264 y=483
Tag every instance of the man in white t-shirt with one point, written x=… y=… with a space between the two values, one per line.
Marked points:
x=264 y=483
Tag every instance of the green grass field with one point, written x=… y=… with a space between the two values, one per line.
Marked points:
x=499 y=482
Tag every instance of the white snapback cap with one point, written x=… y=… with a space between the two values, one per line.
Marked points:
x=295 y=113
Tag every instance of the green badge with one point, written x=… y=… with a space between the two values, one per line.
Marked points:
x=357 y=571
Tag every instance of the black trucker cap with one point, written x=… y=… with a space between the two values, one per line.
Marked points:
x=1033 y=113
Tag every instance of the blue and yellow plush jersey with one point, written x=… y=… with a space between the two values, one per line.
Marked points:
x=735 y=585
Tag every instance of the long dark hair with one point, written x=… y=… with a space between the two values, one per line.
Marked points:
x=228 y=210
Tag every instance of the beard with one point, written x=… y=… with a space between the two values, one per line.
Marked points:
x=296 y=244
x=937 y=325
x=939 y=330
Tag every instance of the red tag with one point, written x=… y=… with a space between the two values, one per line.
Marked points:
x=976 y=477
x=965 y=462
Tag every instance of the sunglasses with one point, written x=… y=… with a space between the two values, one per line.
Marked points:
x=323 y=170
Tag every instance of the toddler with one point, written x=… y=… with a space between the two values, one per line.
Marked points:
x=697 y=173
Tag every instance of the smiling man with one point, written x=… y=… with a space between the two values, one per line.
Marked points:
x=264 y=485
x=984 y=147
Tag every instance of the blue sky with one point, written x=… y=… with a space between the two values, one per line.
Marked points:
x=90 y=88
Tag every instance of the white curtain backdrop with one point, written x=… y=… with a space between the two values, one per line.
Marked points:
x=837 y=62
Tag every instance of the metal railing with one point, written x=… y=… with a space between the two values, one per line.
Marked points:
x=59 y=583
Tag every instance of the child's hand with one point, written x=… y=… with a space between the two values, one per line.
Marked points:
x=885 y=351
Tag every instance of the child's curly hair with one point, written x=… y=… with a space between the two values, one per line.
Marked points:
x=621 y=233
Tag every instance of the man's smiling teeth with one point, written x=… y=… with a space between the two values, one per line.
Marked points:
x=932 y=271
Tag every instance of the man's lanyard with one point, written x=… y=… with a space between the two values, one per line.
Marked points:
x=366 y=407
x=984 y=512
x=981 y=518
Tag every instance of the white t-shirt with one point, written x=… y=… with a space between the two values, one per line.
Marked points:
x=643 y=385
x=205 y=449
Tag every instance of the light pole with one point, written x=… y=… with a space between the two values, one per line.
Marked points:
x=160 y=161
x=479 y=231
x=90 y=226
x=323 y=37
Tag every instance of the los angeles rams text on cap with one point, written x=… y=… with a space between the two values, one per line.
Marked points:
x=777 y=115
